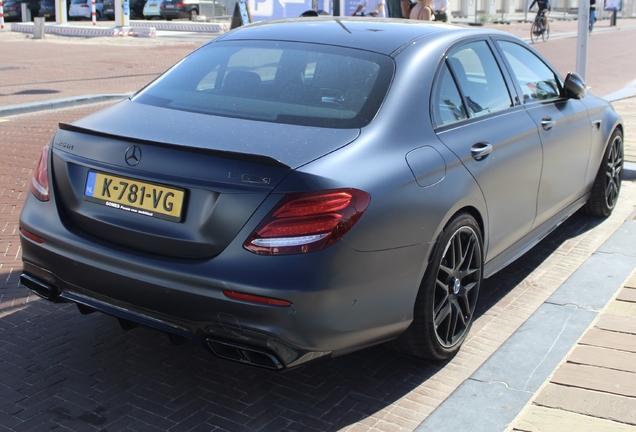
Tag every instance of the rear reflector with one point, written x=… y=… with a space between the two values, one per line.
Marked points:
x=31 y=236
x=308 y=222
x=256 y=299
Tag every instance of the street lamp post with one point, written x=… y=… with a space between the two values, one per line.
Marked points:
x=582 y=40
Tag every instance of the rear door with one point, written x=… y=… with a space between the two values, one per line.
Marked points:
x=494 y=137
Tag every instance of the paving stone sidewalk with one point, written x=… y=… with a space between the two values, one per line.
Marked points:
x=594 y=389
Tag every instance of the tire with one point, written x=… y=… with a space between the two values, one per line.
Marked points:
x=607 y=184
x=447 y=298
x=535 y=32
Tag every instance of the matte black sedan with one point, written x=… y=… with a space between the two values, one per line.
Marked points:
x=300 y=189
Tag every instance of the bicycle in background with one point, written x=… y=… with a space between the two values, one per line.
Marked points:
x=540 y=27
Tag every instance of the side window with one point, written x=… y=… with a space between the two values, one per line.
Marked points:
x=476 y=71
x=537 y=81
x=449 y=107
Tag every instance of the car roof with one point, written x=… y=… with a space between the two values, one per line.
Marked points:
x=383 y=35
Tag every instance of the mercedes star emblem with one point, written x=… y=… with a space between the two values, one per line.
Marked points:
x=133 y=155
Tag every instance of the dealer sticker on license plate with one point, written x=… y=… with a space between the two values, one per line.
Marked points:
x=134 y=196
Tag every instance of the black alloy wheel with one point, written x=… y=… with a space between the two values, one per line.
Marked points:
x=607 y=184
x=446 y=302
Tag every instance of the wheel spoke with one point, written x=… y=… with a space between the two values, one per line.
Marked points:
x=611 y=194
x=457 y=252
x=442 y=301
x=447 y=270
x=467 y=250
x=466 y=297
x=452 y=325
x=441 y=316
x=468 y=258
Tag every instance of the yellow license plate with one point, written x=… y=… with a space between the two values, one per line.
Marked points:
x=134 y=196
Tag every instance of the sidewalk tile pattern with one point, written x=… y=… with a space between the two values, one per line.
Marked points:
x=594 y=389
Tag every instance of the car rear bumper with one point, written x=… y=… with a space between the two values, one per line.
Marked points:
x=335 y=307
x=174 y=14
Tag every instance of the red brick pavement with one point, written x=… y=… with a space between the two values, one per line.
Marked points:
x=21 y=138
x=61 y=66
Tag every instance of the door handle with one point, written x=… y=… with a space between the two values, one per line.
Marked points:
x=480 y=150
x=547 y=123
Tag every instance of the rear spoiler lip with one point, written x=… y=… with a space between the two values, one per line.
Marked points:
x=249 y=157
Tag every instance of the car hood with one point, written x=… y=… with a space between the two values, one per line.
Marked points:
x=290 y=145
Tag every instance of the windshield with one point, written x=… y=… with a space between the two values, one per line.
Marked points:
x=283 y=82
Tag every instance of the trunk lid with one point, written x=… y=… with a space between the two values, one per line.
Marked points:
x=174 y=186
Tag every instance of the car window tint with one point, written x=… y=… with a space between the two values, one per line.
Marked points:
x=303 y=84
x=537 y=81
x=449 y=107
x=479 y=77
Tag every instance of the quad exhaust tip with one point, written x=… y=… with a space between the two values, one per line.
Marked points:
x=42 y=289
x=244 y=354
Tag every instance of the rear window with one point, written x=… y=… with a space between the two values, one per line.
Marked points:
x=293 y=83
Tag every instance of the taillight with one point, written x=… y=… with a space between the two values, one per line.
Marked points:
x=308 y=222
x=40 y=181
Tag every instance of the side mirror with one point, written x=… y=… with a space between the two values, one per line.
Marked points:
x=574 y=86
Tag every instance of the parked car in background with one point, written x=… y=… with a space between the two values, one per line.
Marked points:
x=82 y=9
x=12 y=11
x=136 y=8
x=190 y=9
x=300 y=189
x=152 y=9
x=47 y=9
x=170 y=9
x=109 y=9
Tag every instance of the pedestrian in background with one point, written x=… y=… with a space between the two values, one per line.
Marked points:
x=440 y=7
x=406 y=6
x=592 y=14
x=422 y=11
x=394 y=8
x=371 y=7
